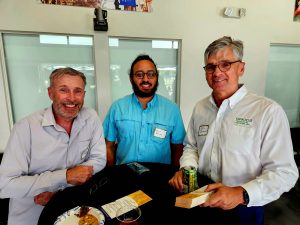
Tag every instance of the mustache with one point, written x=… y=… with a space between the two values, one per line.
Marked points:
x=145 y=82
x=70 y=103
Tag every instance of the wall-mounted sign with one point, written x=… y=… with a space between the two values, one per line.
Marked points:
x=128 y=5
x=83 y=3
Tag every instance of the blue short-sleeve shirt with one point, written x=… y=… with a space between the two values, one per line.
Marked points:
x=144 y=135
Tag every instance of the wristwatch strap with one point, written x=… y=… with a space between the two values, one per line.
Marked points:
x=246 y=197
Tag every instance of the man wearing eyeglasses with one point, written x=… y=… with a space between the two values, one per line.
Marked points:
x=239 y=140
x=143 y=126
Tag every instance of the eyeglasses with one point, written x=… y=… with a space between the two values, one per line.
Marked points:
x=150 y=74
x=223 y=66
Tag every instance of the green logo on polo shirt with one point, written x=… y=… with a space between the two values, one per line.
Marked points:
x=243 y=121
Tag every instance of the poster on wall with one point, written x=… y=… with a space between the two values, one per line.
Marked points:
x=125 y=5
x=128 y=5
x=297 y=11
x=83 y=3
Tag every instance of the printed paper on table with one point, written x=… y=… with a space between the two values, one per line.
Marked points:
x=130 y=201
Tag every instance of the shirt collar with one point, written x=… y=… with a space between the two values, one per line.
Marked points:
x=152 y=102
x=49 y=120
x=235 y=98
x=149 y=104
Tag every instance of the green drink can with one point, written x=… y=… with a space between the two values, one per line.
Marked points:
x=189 y=179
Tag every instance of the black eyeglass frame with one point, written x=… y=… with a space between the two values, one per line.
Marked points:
x=218 y=65
x=151 y=74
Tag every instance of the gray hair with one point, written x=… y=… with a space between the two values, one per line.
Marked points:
x=57 y=73
x=235 y=45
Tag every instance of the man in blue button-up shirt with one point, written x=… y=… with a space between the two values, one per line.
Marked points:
x=51 y=149
x=146 y=126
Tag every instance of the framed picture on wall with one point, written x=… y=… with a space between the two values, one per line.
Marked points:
x=297 y=10
x=125 y=5
x=128 y=5
x=83 y=3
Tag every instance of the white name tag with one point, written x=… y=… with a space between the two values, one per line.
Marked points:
x=160 y=133
x=203 y=130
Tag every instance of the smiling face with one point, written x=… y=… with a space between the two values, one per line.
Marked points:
x=144 y=87
x=224 y=84
x=67 y=95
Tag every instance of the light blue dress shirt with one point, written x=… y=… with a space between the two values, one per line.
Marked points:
x=144 y=135
x=38 y=154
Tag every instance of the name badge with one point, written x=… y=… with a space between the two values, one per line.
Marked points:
x=160 y=133
x=203 y=130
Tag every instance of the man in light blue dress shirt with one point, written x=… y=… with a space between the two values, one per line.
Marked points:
x=51 y=149
x=145 y=126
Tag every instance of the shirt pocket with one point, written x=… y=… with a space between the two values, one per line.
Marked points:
x=125 y=128
x=84 y=149
x=160 y=133
x=240 y=140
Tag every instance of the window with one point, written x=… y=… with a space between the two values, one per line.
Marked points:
x=30 y=58
x=283 y=79
x=163 y=52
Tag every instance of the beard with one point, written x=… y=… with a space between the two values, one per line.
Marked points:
x=144 y=94
x=68 y=114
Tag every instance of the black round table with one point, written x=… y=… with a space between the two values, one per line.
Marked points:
x=115 y=182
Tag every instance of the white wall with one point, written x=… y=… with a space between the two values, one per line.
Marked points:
x=196 y=22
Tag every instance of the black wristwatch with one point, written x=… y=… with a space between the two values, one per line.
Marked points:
x=246 y=197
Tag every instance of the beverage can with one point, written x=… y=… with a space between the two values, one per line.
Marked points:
x=189 y=179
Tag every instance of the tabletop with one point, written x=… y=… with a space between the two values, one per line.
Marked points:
x=115 y=182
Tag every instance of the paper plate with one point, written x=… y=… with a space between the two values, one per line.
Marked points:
x=70 y=217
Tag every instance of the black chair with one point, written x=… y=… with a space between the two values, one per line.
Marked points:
x=3 y=205
x=295 y=134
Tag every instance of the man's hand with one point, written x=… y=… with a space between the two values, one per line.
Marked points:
x=43 y=198
x=177 y=181
x=79 y=174
x=224 y=197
